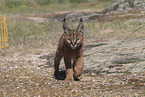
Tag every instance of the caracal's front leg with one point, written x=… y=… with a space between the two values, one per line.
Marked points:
x=69 y=71
x=57 y=59
x=78 y=65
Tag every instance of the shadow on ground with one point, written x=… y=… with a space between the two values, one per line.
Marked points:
x=62 y=75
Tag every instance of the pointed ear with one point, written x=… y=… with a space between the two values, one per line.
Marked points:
x=65 y=28
x=80 y=28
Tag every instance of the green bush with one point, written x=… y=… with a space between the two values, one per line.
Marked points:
x=18 y=3
x=44 y=2
x=105 y=0
x=47 y=2
x=29 y=3
x=78 y=1
x=12 y=3
x=63 y=1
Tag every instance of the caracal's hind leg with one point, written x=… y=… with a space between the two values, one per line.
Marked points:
x=78 y=65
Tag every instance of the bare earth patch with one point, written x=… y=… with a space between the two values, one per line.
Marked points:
x=30 y=73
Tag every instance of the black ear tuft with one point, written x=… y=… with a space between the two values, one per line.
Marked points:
x=65 y=27
x=64 y=20
x=81 y=20
x=80 y=28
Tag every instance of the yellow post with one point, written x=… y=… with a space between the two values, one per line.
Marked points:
x=1 y=35
x=3 y=32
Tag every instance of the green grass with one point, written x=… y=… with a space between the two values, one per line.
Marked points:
x=31 y=33
x=113 y=30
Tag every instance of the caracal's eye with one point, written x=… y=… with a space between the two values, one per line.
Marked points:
x=69 y=40
x=77 y=39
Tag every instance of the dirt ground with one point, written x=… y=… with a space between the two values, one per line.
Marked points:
x=30 y=74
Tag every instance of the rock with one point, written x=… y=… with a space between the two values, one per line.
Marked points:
x=117 y=7
x=126 y=60
x=77 y=16
x=123 y=6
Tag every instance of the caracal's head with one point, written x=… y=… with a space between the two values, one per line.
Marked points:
x=73 y=38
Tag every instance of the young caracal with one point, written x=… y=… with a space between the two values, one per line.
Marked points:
x=70 y=46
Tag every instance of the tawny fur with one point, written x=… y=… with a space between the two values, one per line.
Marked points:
x=70 y=46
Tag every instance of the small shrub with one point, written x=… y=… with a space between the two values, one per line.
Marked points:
x=44 y=2
x=47 y=2
x=63 y=1
x=78 y=1
x=12 y=3
x=18 y=3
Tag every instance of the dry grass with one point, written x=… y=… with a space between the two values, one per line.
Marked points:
x=34 y=34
